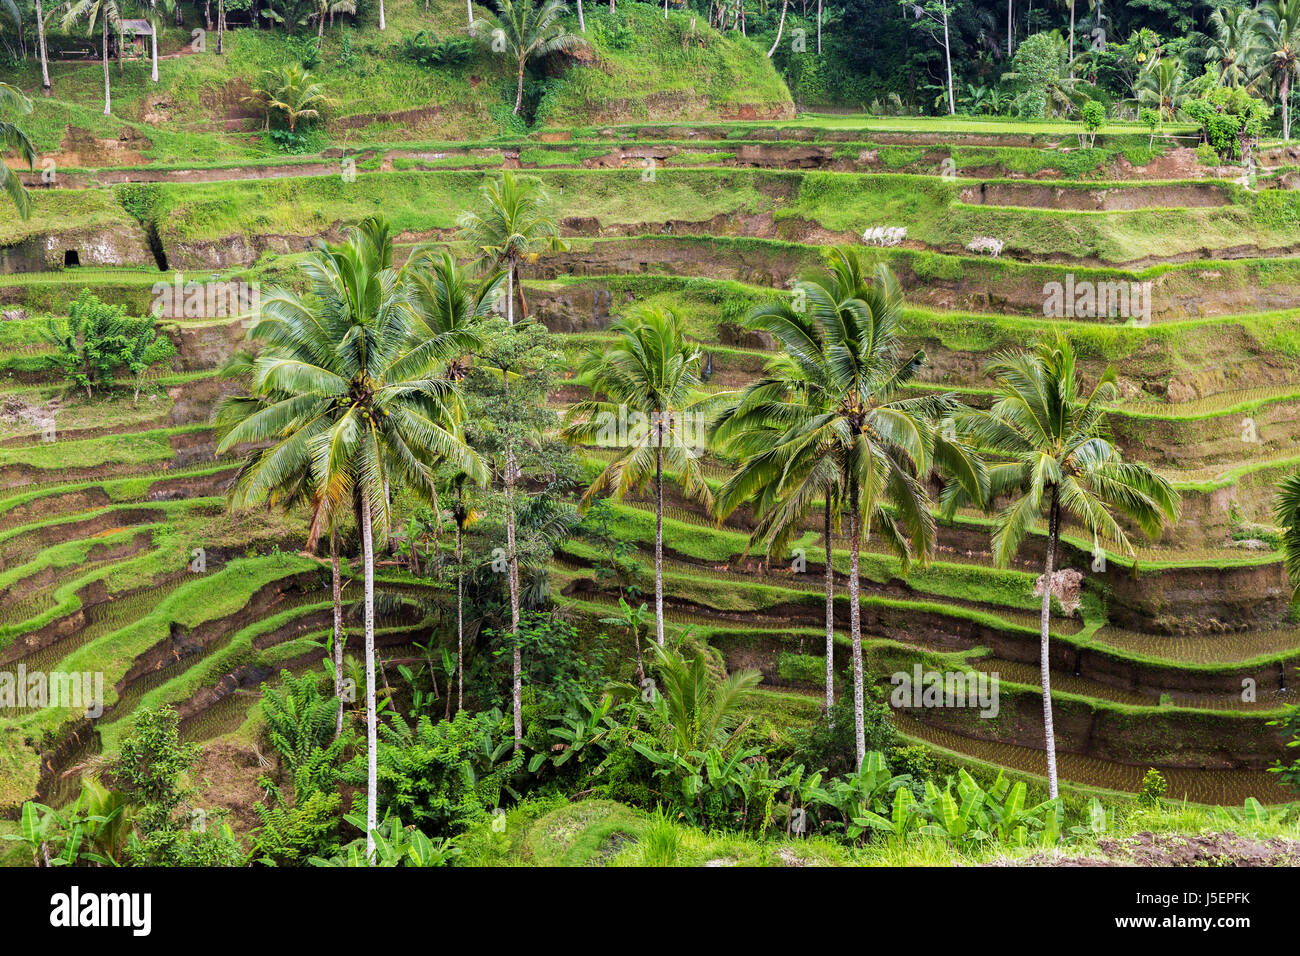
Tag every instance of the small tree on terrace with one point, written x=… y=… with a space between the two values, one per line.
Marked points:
x=528 y=30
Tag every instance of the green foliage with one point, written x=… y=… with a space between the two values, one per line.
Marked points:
x=1230 y=119
x=1153 y=788
x=1093 y=115
x=424 y=47
x=293 y=835
x=300 y=726
x=441 y=777
x=98 y=340
x=1041 y=76
x=152 y=770
x=398 y=845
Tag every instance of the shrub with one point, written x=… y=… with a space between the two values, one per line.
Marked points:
x=1153 y=788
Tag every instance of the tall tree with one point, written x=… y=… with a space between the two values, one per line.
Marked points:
x=40 y=41
x=932 y=16
x=884 y=444
x=512 y=229
x=1280 y=32
x=1055 y=461
x=647 y=377
x=508 y=386
x=530 y=29
x=782 y=479
x=13 y=138
x=108 y=13
x=355 y=403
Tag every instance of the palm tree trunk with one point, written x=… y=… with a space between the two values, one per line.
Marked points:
x=460 y=625
x=1053 y=529
x=510 y=296
x=108 y=98
x=336 y=588
x=855 y=631
x=519 y=94
x=819 y=26
x=779 y=28
x=153 y=72
x=40 y=42
x=1286 y=112
x=383 y=24
x=1071 y=52
x=320 y=30
x=519 y=288
x=221 y=26
x=1009 y=4
x=582 y=23
x=659 y=531
x=512 y=565
x=372 y=754
x=830 y=612
x=947 y=55
x=512 y=575
x=469 y=11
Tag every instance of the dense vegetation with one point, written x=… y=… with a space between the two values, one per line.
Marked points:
x=512 y=434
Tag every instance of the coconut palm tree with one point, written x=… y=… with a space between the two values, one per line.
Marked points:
x=750 y=428
x=882 y=445
x=1232 y=43
x=13 y=138
x=352 y=401
x=1161 y=87
x=649 y=375
x=1055 y=462
x=292 y=92
x=512 y=229
x=531 y=29
x=109 y=15
x=462 y=516
x=446 y=301
x=1286 y=511
x=1280 y=34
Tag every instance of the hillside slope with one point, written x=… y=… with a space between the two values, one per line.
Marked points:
x=639 y=66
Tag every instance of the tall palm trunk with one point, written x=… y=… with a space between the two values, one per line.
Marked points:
x=336 y=588
x=469 y=11
x=153 y=69
x=830 y=612
x=512 y=574
x=1009 y=4
x=460 y=624
x=510 y=294
x=659 y=532
x=383 y=24
x=40 y=41
x=519 y=93
x=855 y=631
x=1286 y=110
x=519 y=290
x=1049 y=734
x=1071 y=54
x=819 y=26
x=108 y=97
x=582 y=23
x=221 y=26
x=372 y=752
x=779 y=28
x=947 y=55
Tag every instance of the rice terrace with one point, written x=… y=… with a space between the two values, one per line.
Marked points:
x=694 y=433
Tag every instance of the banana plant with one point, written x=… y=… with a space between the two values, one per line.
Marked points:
x=576 y=732
x=398 y=845
x=904 y=818
x=960 y=818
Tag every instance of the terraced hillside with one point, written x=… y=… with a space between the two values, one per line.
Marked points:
x=99 y=528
